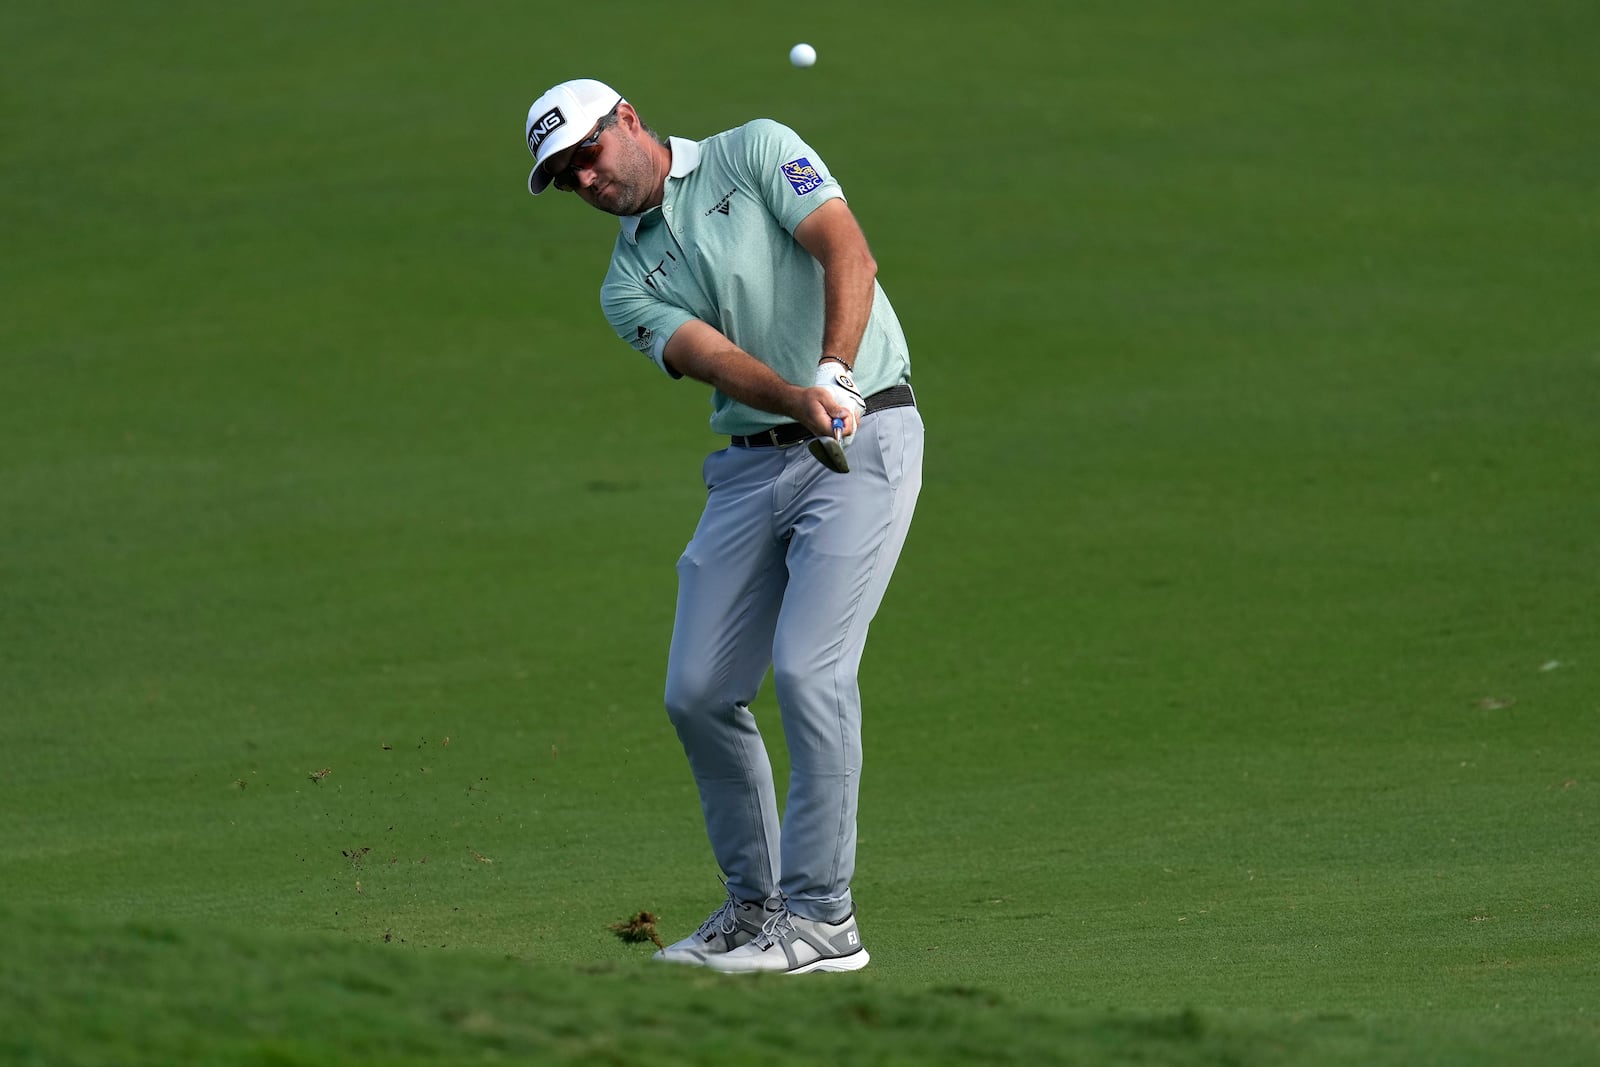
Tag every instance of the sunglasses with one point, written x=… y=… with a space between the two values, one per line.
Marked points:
x=584 y=153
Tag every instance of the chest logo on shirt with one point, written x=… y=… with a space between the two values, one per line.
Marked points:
x=668 y=265
x=802 y=176
x=722 y=205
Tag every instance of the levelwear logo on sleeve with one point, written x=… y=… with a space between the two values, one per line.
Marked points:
x=548 y=123
x=802 y=176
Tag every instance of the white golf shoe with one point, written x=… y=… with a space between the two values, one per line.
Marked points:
x=790 y=944
x=734 y=924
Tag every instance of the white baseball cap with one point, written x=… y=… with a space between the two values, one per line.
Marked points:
x=561 y=118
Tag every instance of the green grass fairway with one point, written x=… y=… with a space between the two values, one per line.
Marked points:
x=150 y=992
x=1236 y=698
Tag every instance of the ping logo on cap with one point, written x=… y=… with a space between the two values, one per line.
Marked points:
x=802 y=176
x=543 y=127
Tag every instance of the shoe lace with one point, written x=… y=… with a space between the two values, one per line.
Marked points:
x=722 y=920
x=778 y=926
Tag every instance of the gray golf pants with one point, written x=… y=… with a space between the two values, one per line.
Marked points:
x=786 y=569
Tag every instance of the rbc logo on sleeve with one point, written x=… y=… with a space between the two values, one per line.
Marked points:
x=802 y=176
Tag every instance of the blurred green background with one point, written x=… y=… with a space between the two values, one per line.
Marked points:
x=1244 y=652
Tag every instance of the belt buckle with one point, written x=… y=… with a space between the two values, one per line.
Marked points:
x=772 y=436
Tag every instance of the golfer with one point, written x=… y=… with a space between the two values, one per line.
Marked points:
x=740 y=265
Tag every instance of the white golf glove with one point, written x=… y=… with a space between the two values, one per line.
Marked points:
x=835 y=377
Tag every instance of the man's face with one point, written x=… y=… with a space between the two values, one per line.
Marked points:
x=609 y=169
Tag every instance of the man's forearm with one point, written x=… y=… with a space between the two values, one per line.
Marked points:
x=705 y=354
x=849 y=273
x=848 y=291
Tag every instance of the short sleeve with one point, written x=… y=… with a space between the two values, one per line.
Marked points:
x=789 y=174
x=640 y=317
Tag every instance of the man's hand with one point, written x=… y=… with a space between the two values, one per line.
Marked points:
x=848 y=402
x=816 y=408
x=835 y=410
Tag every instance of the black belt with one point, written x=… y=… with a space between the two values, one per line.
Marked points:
x=792 y=433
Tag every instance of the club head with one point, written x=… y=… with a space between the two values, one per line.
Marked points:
x=830 y=453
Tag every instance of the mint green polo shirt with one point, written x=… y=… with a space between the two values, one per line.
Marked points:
x=720 y=248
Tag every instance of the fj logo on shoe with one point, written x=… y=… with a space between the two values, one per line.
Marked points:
x=853 y=939
x=803 y=177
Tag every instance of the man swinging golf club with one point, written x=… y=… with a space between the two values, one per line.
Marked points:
x=739 y=265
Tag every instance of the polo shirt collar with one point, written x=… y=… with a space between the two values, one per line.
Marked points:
x=685 y=158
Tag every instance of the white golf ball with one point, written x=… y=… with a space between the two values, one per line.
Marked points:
x=802 y=55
